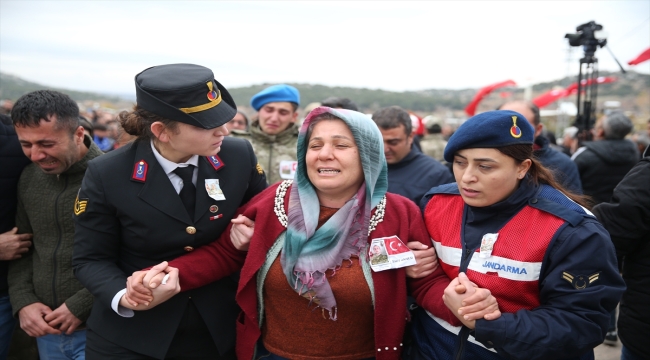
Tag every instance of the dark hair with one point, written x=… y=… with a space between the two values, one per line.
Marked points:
x=539 y=174
x=434 y=129
x=39 y=105
x=5 y=119
x=616 y=125
x=317 y=119
x=86 y=125
x=392 y=117
x=341 y=103
x=138 y=122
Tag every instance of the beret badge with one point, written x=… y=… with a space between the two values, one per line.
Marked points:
x=515 y=131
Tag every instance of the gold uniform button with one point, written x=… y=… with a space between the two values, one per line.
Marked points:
x=188 y=248
x=190 y=230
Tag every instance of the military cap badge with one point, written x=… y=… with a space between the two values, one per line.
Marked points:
x=515 y=131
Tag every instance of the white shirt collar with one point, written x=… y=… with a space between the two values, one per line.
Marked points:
x=170 y=166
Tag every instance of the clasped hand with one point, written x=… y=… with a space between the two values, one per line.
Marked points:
x=469 y=302
x=145 y=290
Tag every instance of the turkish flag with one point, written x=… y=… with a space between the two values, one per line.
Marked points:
x=641 y=58
x=483 y=92
x=549 y=97
x=395 y=246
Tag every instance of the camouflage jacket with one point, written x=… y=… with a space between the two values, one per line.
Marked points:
x=433 y=145
x=275 y=153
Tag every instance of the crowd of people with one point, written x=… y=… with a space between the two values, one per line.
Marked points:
x=183 y=229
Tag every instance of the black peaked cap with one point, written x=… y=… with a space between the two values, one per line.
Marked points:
x=186 y=93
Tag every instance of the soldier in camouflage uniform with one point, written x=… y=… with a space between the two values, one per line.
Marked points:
x=274 y=135
x=433 y=143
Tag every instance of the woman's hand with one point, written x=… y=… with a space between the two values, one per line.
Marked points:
x=161 y=290
x=139 y=285
x=469 y=302
x=241 y=232
x=425 y=259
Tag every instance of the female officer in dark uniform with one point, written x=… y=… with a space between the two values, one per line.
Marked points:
x=172 y=190
x=507 y=226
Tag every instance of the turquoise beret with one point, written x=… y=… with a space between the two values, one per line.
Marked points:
x=275 y=93
x=490 y=129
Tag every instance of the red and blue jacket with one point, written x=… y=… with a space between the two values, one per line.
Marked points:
x=552 y=270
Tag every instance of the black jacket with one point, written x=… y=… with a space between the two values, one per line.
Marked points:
x=603 y=164
x=627 y=218
x=416 y=174
x=131 y=222
x=12 y=163
x=565 y=170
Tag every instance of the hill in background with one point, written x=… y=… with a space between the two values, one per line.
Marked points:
x=632 y=90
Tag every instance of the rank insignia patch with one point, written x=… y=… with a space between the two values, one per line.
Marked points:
x=80 y=206
x=580 y=281
x=215 y=161
x=140 y=171
x=259 y=168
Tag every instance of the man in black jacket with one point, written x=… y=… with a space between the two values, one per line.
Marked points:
x=627 y=218
x=603 y=163
x=12 y=245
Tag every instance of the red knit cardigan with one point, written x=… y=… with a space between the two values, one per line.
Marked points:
x=218 y=259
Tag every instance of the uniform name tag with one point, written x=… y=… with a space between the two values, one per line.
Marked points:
x=213 y=189
x=487 y=244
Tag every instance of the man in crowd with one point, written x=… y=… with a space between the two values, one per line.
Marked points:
x=410 y=172
x=102 y=138
x=12 y=245
x=625 y=217
x=565 y=170
x=603 y=162
x=239 y=122
x=48 y=300
x=433 y=144
x=274 y=135
x=340 y=103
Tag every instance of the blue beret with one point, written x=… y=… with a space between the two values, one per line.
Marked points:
x=275 y=93
x=490 y=129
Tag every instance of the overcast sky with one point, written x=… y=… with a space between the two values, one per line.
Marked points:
x=101 y=45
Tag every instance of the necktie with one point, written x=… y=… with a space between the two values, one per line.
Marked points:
x=188 y=192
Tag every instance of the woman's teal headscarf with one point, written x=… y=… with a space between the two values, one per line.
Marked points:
x=308 y=252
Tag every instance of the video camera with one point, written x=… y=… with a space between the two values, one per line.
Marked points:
x=587 y=38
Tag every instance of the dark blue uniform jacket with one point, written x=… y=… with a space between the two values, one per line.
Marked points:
x=570 y=322
x=416 y=174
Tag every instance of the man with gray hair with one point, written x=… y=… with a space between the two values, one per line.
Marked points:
x=603 y=162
